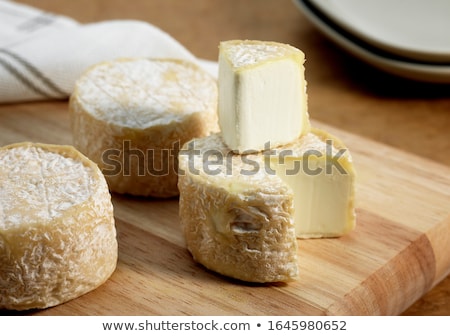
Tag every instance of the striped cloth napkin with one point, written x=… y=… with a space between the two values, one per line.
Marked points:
x=42 y=54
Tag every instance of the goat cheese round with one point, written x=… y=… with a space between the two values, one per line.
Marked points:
x=242 y=214
x=57 y=231
x=236 y=218
x=131 y=117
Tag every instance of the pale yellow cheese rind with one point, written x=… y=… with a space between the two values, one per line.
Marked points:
x=131 y=116
x=237 y=225
x=57 y=231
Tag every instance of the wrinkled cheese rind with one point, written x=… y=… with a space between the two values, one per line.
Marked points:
x=241 y=214
x=240 y=225
x=262 y=99
x=57 y=231
x=131 y=116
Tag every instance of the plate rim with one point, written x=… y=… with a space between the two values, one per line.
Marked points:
x=411 y=52
x=419 y=71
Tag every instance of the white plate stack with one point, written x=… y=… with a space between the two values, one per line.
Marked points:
x=408 y=38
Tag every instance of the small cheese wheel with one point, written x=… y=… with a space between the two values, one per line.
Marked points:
x=242 y=214
x=131 y=116
x=237 y=219
x=57 y=231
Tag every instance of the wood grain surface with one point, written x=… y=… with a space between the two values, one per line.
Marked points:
x=397 y=252
x=401 y=244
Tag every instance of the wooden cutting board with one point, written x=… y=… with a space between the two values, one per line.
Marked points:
x=399 y=250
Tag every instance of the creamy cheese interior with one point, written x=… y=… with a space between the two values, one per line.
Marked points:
x=262 y=95
x=38 y=185
x=317 y=170
x=323 y=200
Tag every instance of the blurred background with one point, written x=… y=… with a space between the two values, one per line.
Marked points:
x=343 y=91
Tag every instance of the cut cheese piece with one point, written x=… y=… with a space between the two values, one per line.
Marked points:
x=262 y=94
x=319 y=170
x=242 y=213
x=131 y=116
x=57 y=232
x=236 y=222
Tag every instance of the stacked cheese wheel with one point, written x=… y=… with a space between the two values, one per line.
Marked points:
x=131 y=117
x=57 y=233
x=248 y=193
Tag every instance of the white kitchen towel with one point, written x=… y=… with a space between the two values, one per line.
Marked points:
x=42 y=54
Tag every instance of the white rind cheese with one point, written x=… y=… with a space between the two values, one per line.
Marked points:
x=262 y=95
x=131 y=116
x=57 y=231
x=236 y=224
x=241 y=214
